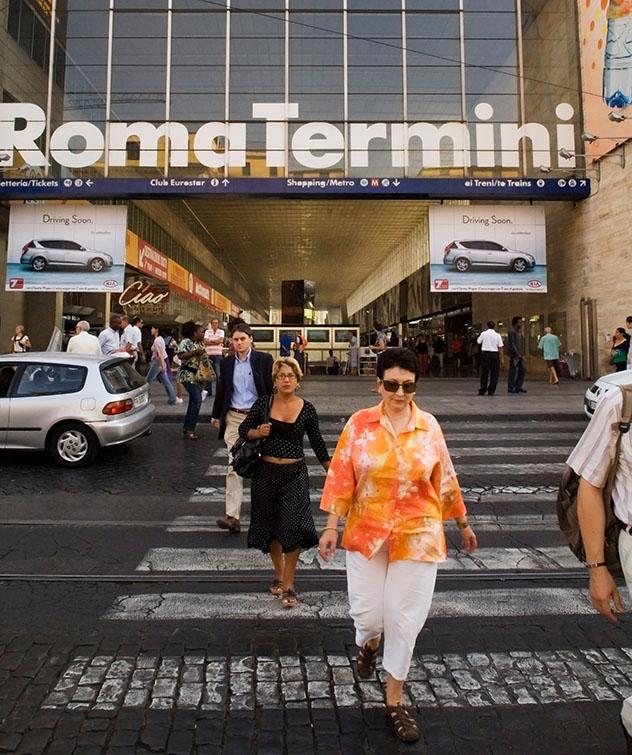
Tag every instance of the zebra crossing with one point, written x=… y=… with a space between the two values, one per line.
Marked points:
x=510 y=499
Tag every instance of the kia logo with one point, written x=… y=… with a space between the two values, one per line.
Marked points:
x=110 y=284
x=535 y=284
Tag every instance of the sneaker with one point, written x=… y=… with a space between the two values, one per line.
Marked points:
x=204 y=395
x=179 y=401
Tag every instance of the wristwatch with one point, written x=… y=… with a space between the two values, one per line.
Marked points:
x=462 y=525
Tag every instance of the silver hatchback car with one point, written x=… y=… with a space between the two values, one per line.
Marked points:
x=463 y=255
x=39 y=254
x=71 y=404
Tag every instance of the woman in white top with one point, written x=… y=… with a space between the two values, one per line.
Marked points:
x=158 y=366
x=20 y=340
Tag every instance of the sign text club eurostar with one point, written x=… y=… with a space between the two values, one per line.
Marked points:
x=314 y=145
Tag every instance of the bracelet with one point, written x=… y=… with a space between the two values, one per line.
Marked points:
x=596 y=565
x=462 y=525
x=334 y=529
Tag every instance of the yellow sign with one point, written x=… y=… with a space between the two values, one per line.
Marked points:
x=221 y=302
x=178 y=276
x=131 y=248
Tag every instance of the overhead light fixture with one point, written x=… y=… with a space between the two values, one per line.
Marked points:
x=616 y=117
x=588 y=137
x=566 y=154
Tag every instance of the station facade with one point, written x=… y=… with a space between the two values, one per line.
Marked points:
x=312 y=101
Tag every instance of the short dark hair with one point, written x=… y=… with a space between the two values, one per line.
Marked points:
x=242 y=327
x=405 y=359
x=189 y=328
x=517 y=318
x=136 y=320
x=491 y=324
x=628 y=318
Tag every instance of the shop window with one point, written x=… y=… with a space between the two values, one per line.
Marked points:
x=29 y=30
x=133 y=151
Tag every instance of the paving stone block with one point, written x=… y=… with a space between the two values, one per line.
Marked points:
x=62 y=747
x=34 y=741
x=9 y=741
x=155 y=737
x=180 y=743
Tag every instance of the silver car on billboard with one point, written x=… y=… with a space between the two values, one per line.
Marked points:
x=41 y=254
x=71 y=405
x=466 y=254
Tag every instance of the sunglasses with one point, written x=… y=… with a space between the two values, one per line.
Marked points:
x=392 y=386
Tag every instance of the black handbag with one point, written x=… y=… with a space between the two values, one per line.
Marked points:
x=247 y=453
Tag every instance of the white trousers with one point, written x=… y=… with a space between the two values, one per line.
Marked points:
x=625 y=554
x=390 y=599
x=234 y=483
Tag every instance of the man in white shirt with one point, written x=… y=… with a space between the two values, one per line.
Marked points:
x=490 y=359
x=214 y=342
x=84 y=342
x=131 y=337
x=591 y=460
x=110 y=338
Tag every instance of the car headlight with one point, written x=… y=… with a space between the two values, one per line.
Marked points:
x=594 y=388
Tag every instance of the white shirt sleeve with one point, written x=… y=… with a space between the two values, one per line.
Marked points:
x=593 y=454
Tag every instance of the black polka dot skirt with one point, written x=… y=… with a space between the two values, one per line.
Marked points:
x=280 y=508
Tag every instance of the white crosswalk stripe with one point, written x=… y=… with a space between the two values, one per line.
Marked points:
x=240 y=559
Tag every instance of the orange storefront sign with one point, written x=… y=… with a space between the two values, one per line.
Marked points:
x=221 y=302
x=131 y=248
x=178 y=276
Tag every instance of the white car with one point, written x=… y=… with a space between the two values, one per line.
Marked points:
x=71 y=405
x=39 y=254
x=601 y=386
x=465 y=254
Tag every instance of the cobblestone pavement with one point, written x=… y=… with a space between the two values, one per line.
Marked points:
x=130 y=623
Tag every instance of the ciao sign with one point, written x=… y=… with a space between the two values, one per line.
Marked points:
x=141 y=292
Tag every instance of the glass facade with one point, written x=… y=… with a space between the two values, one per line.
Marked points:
x=261 y=88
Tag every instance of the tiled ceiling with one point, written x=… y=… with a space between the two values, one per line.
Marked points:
x=336 y=243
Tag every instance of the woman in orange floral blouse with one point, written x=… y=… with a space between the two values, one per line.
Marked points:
x=392 y=478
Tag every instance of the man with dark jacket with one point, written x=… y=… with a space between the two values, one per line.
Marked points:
x=244 y=377
x=515 y=352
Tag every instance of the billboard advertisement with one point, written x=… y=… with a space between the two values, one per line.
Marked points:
x=66 y=247
x=606 y=38
x=488 y=248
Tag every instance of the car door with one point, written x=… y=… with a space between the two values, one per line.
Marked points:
x=34 y=406
x=477 y=252
x=54 y=254
x=8 y=371
x=74 y=254
x=497 y=254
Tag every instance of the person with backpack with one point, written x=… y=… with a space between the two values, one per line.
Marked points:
x=20 y=342
x=603 y=462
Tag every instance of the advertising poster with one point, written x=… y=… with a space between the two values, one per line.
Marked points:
x=66 y=247
x=605 y=43
x=488 y=248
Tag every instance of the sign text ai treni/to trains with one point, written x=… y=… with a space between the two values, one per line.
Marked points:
x=315 y=145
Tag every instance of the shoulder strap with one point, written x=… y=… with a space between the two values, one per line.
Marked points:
x=626 y=410
x=621 y=428
x=268 y=408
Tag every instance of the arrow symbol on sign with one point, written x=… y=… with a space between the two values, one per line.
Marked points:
x=225 y=182
x=89 y=182
x=396 y=182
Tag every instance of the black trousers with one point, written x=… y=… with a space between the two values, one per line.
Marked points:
x=489 y=362
x=517 y=373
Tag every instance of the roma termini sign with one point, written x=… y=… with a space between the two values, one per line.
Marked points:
x=315 y=145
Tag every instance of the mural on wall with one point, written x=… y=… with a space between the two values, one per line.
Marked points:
x=606 y=59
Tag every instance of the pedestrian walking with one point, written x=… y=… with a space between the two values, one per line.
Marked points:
x=550 y=347
x=620 y=349
x=281 y=521
x=20 y=342
x=285 y=344
x=422 y=352
x=353 y=354
x=393 y=481
x=456 y=347
x=298 y=349
x=628 y=325
x=245 y=376
x=192 y=353
x=380 y=338
x=159 y=366
x=214 y=342
x=438 y=351
x=132 y=338
x=515 y=352
x=332 y=365
x=591 y=460
x=83 y=342
x=490 y=355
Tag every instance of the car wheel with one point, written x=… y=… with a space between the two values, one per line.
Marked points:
x=39 y=264
x=519 y=265
x=96 y=265
x=462 y=264
x=73 y=445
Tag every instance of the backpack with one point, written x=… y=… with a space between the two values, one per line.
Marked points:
x=567 y=516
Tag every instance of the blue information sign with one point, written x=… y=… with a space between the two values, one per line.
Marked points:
x=385 y=188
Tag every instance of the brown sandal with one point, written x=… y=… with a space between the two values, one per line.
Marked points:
x=404 y=725
x=366 y=660
x=276 y=588
x=288 y=599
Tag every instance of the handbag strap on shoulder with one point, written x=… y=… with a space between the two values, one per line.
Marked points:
x=267 y=410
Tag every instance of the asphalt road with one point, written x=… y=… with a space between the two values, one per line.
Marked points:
x=130 y=623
